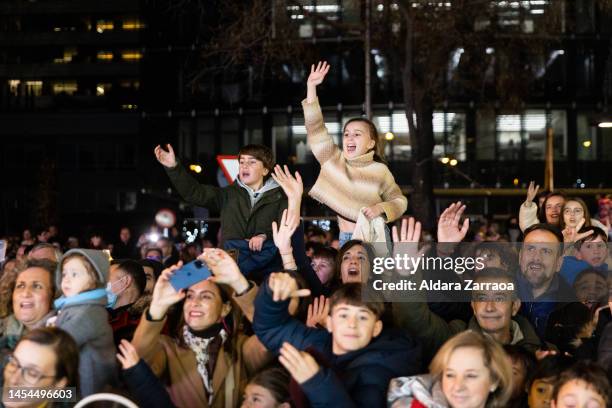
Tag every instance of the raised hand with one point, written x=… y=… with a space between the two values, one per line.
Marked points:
x=571 y=234
x=292 y=186
x=164 y=294
x=284 y=286
x=409 y=234
x=282 y=234
x=301 y=365
x=167 y=158
x=317 y=74
x=532 y=191
x=224 y=269
x=127 y=356
x=449 y=228
x=318 y=311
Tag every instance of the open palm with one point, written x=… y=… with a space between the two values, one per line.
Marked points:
x=167 y=158
x=317 y=74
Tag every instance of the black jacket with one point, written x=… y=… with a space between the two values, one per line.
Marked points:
x=356 y=379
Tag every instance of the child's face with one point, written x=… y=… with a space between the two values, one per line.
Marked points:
x=357 y=140
x=573 y=213
x=489 y=259
x=256 y=396
x=324 y=268
x=591 y=289
x=578 y=394
x=466 y=380
x=252 y=171
x=593 y=252
x=352 y=327
x=519 y=374
x=75 y=278
x=540 y=392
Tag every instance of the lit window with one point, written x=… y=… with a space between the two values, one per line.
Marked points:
x=131 y=55
x=69 y=53
x=133 y=25
x=34 y=87
x=130 y=84
x=105 y=56
x=102 y=89
x=14 y=86
x=67 y=87
x=103 y=25
x=129 y=107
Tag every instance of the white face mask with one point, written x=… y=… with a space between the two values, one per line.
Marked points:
x=109 y=286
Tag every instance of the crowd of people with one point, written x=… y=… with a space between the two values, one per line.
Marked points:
x=287 y=317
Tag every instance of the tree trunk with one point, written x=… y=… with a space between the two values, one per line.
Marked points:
x=419 y=104
x=422 y=142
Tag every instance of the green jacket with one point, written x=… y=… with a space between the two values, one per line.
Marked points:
x=238 y=219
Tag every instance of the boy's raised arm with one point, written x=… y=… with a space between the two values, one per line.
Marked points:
x=187 y=186
x=272 y=323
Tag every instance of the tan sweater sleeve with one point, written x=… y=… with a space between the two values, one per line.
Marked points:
x=147 y=341
x=394 y=202
x=528 y=216
x=317 y=136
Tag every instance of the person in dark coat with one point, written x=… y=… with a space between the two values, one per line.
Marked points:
x=357 y=358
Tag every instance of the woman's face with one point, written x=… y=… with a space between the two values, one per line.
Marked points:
x=466 y=381
x=31 y=365
x=354 y=263
x=32 y=295
x=324 y=268
x=256 y=396
x=553 y=209
x=204 y=306
x=573 y=213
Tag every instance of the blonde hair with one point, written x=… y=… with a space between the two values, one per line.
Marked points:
x=494 y=359
x=91 y=271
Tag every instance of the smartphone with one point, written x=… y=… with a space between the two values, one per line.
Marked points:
x=190 y=274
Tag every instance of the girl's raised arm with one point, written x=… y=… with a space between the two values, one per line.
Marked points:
x=316 y=77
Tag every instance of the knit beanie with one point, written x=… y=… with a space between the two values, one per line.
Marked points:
x=98 y=259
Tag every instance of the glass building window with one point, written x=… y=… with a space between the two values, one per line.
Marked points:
x=586 y=138
x=34 y=88
x=14 y=86
x=64 y=87
x=131 y=55
x=105 y=56
x=132 y=24
x=104 y=25
x=526 y=134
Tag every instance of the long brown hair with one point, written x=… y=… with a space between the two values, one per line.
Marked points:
x=379 y=148
x=585 y=212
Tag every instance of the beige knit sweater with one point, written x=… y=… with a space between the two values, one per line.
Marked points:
x=347 y=185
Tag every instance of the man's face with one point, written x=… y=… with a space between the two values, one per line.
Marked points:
x=150 y=279
x=124 y=235
x=593 y=252
x=494 y=309
x=539 y=258
x=553 y=209
x=43 y=253
x=352 y=327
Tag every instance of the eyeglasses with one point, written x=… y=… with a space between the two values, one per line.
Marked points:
x=574 y=211
x=29 y=374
